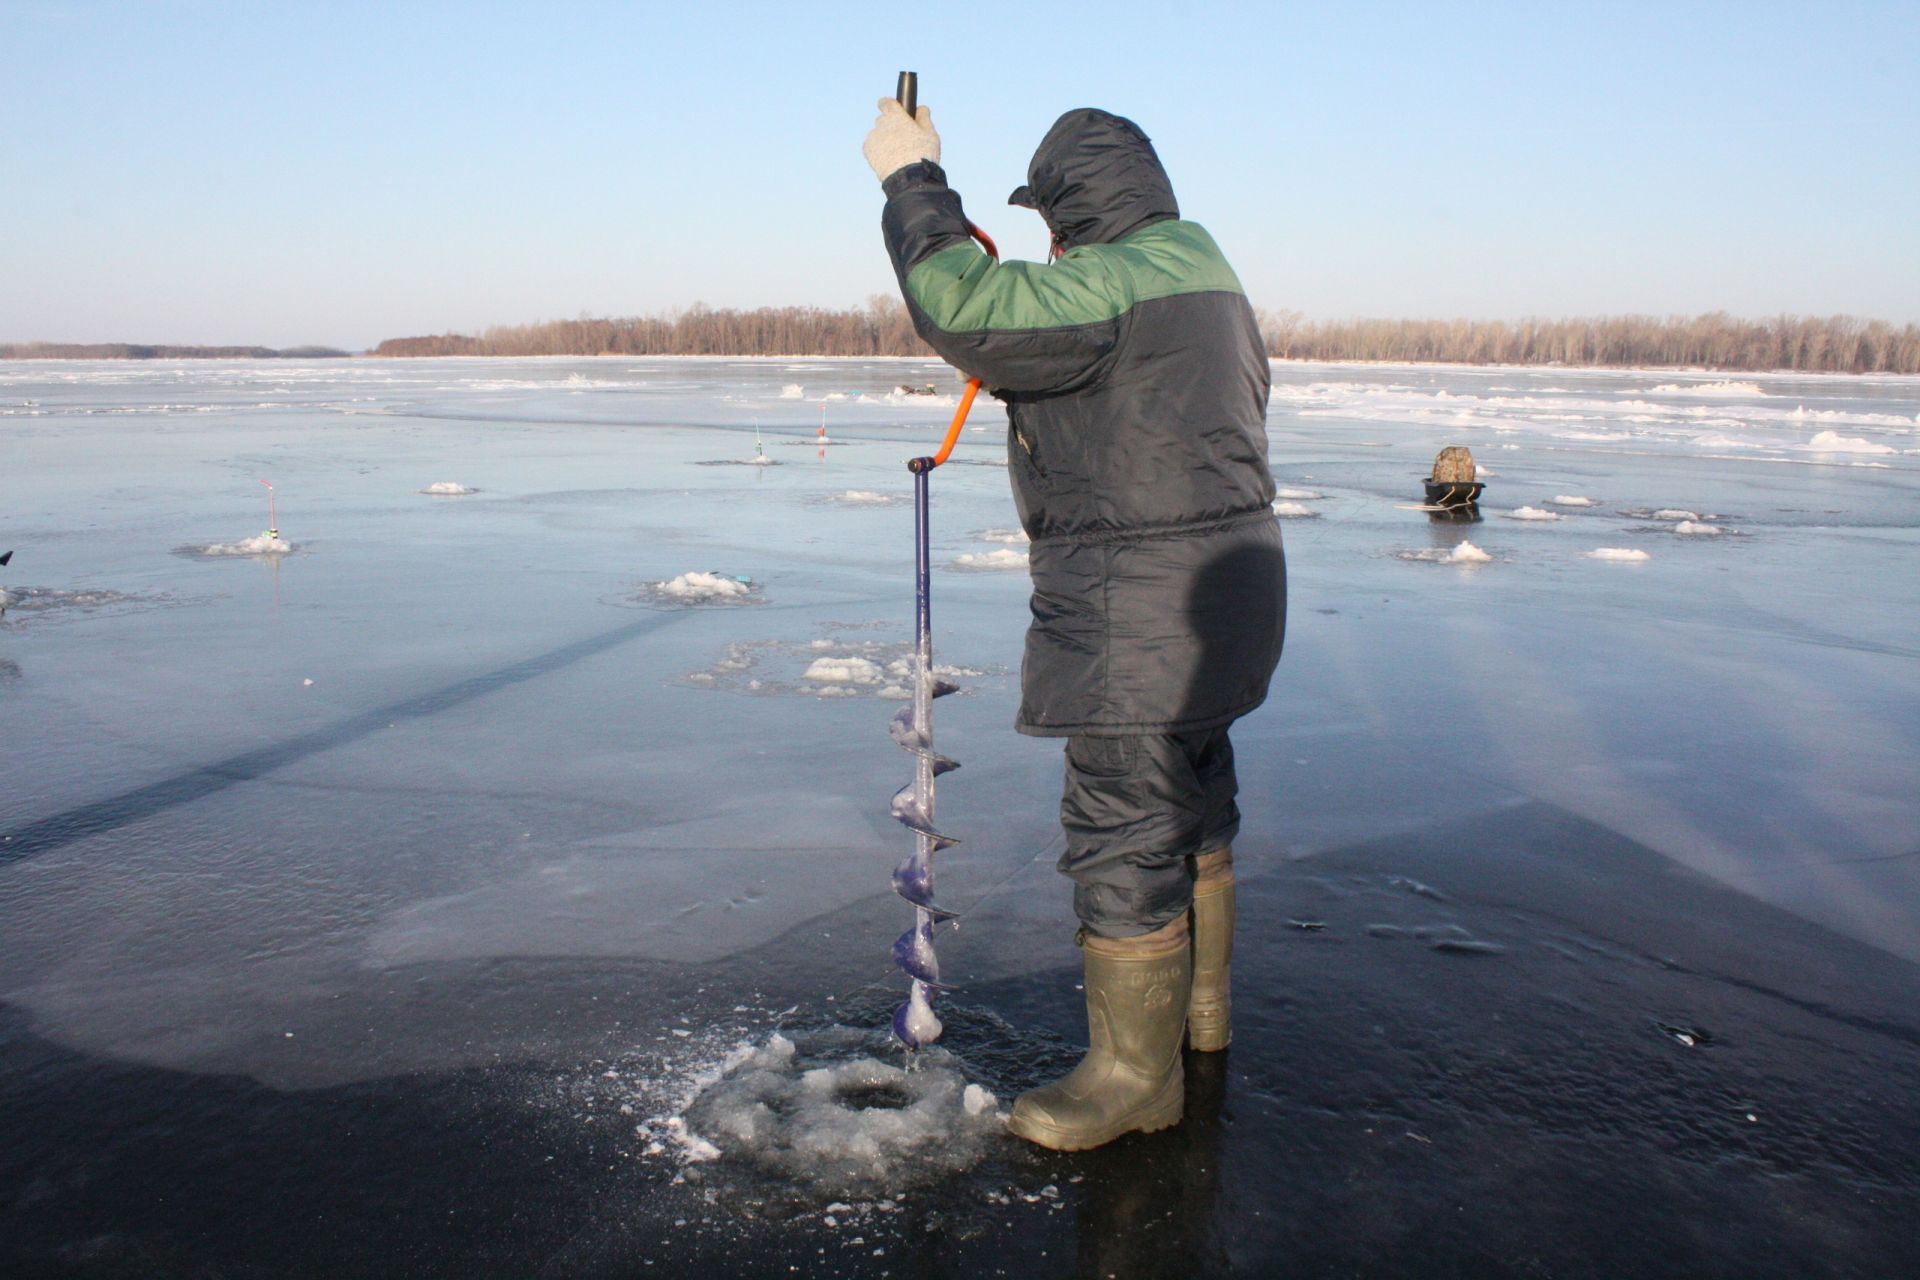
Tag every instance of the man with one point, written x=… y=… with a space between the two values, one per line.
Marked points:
x=1136 y=391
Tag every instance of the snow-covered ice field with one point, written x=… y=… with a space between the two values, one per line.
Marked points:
x=448 y=846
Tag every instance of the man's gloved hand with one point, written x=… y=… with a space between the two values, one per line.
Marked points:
x=899 y=140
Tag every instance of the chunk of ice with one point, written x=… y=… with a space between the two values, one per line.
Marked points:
x=1002 y=558
x=697 y=587
x=843 y=671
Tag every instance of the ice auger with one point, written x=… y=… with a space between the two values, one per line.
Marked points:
x=914 y=1022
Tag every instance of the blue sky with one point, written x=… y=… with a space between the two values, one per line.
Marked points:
x=340 y=173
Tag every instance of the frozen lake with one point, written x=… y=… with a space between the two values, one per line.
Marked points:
x=1583 y=864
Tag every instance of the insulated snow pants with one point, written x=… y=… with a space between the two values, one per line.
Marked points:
x=1135 y=809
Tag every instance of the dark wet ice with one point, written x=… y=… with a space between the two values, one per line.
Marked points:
x=396 y=902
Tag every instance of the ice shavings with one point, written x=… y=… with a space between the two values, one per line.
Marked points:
x=259 y=545
x=824 y=667
x=447 y=489
x=826 y=1111
x=698 y=587
x=1001 y=558
x=1531 y=513
x=1464 y=553
x=1626 y=554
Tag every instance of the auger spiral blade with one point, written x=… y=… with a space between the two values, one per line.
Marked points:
x=913 y=951
x=915 y=742
x=910 y=813
x=913 y=880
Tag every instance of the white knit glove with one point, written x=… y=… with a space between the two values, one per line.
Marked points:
x=899 y=140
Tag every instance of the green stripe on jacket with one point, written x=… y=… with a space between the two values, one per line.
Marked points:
x=962 y=290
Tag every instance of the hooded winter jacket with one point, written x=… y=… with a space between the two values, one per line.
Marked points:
x=1136 y=391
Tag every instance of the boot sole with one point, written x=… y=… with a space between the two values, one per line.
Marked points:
x=1163 y=1112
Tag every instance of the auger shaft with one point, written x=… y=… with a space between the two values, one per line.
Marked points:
x=914 y=1022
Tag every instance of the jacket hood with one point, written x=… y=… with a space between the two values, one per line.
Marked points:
x=1095 y=178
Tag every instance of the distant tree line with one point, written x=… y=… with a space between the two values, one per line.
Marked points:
x=1834 y=344
x=881 y=328
x=142 y=351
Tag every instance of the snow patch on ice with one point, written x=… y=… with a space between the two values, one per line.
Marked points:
x=1569 y=500
x=1834 y=442
x=865 y=498
x=1294 y=511
x=1707 y=389
x=447 y=489
x=1003 y=558
x=1629 y=554
x=1695 y=528
x=1012 y=537
x=1298 y=495
x=1531 y=513
x=1675 y=513
x=793 y=391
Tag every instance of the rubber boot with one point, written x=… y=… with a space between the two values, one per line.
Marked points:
x=1209 y=1028
x=1131 y=1079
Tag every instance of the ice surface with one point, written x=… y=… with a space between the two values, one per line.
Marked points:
x=506 y=793
x=1531 y=513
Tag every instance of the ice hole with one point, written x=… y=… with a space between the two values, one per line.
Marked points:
x=844 y=1112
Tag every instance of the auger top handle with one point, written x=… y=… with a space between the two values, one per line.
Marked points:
x=907 y=93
